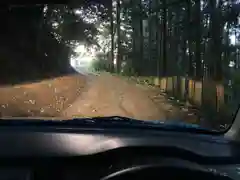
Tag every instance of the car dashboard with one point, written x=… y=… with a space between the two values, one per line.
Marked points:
x=35 y=153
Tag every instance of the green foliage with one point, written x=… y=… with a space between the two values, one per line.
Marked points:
x=100 y=63
x=68 y=24
x=128 y=70
x=236 y=78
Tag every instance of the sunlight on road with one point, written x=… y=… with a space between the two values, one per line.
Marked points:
x=83 y=60
x=83 y=56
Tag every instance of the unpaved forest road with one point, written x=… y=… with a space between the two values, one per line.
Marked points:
x=107 y=95
x=86 y=96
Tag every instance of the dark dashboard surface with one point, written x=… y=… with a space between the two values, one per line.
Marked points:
x=36 y=141
x=94 y=153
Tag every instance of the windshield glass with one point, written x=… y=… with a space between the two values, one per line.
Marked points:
x=166 y=60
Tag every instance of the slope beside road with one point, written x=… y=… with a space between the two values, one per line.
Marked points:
x=45 y=98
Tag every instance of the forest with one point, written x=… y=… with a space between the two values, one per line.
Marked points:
x=189 y=48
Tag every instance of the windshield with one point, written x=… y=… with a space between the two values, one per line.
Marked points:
x=169 y=60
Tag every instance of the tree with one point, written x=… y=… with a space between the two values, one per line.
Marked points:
x=118 y=38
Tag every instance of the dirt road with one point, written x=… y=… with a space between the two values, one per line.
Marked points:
x=86 y=96
x=107 y=95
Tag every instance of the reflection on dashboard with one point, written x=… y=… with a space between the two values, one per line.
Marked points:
x=15 y=174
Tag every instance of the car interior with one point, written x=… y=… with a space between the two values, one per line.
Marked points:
x=97 y=152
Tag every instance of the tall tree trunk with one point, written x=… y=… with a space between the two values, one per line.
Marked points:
x=198 y=39
x=118 y=38
x=218 y=28
x=215 y=29
x=134 y=36
x=158 y=46
x=164 y=35
x=150 y=37
x=153 y=38
x=140 y=29
x=170 y=53
x=112 y=38
x=137 y=36
x=190 y=58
